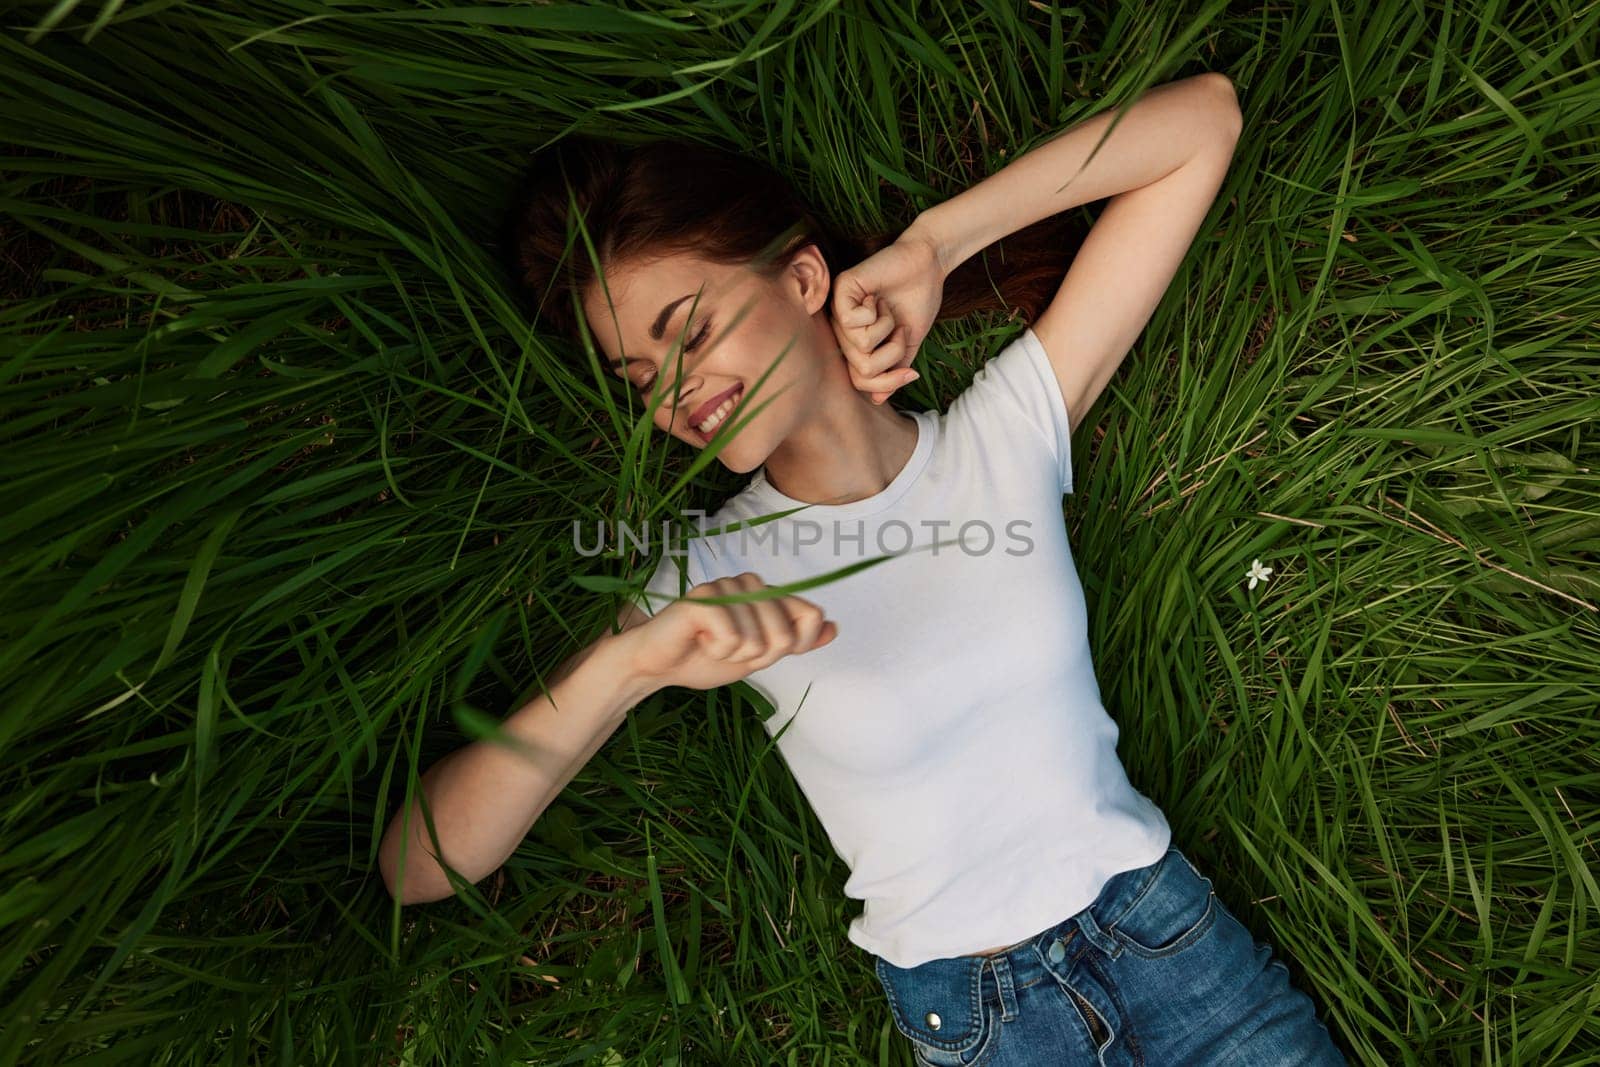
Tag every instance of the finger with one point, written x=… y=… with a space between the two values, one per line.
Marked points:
x=852 y=306
x=830 y=630
x=887 y=382
x=885 y=358
x=777 y=631
x=740 y=621
x=897 y=380
x=751 y=623
x=866 y=366
x=867 y=338
x=804 y=621
x=862 y=336
x=801 y=618
x=893 y=376
x=808 y=619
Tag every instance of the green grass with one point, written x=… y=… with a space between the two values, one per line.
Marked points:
x=287 y=490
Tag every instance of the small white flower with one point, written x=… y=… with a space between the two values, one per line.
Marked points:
x=1257 y=573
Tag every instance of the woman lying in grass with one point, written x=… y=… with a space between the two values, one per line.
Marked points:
x=1023 y=903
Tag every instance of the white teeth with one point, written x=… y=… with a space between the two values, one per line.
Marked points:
x=715 y=418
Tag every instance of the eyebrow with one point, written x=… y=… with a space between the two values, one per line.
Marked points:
x=659 y=327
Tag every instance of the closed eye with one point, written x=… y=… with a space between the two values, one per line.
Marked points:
x=690 y=346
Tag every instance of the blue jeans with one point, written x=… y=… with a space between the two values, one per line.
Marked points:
x=1156 y=972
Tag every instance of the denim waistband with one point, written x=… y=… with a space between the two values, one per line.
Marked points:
x=955 y=987
x=1026 y=960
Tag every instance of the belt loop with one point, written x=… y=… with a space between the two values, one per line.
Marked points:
x=1095 y=935
x=1000 y=966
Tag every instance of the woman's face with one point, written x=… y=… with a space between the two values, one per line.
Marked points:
x=720 y=360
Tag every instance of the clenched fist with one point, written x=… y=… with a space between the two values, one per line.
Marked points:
x=883 y=307
x=699 y=645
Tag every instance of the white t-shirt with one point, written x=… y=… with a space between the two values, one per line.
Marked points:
x=951 y=738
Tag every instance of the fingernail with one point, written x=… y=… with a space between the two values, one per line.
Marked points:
x=910 y=377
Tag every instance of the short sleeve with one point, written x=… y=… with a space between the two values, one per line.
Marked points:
x=1018 y=387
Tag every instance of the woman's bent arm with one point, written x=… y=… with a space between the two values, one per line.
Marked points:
x=485 y=797
x=1160 y=132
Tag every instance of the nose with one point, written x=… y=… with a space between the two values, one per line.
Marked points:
x=684 y=398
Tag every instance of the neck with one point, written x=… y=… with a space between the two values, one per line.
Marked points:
x=845 y=449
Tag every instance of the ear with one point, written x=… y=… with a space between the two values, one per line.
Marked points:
x=808 y=272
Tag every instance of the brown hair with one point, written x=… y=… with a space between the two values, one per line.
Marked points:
x=667 y=196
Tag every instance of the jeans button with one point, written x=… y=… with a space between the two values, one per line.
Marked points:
x=1058 y=951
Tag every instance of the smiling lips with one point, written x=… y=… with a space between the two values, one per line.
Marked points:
x=708 y=416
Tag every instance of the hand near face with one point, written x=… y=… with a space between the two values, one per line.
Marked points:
x=883 y=307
